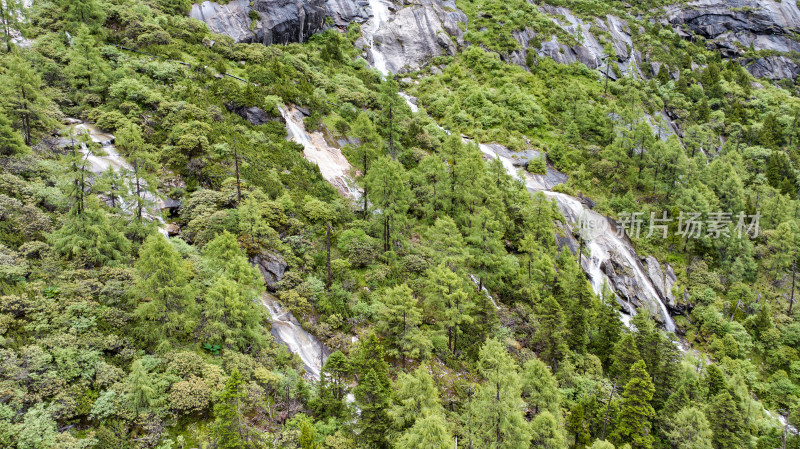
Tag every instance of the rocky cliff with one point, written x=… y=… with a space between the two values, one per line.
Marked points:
x=419 y=31
x=734 y=26
x=589 y=49
x=403 y=37
x=265 y=21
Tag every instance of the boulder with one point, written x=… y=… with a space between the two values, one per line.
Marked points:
x=255 y=115
x=173 y=229
x=272 y=267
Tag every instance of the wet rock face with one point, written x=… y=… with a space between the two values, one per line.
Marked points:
x=774 y=68
x=712 y=18
x=344 y=12
x=733 y=25
x=420 y=31
x=264 y=21
x=272 y=267
x=589 y=50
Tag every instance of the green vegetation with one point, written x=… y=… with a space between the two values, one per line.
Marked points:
x=473 y=325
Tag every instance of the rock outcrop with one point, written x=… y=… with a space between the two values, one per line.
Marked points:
x=590 y=50
x=734 y=26
x=255 y=115
x=773 y=67
x=272 y=267
x=421 y=30
x=663 y=279
x=264 y=21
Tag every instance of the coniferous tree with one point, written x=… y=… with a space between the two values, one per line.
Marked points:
x=726 y=421
x=625 y=356
x=415 y=396
x=10 y=141
x=447 y=302
x=399 y=320
x=690 y=430
x=332 y=388
x=87 y=68
x=232 y=318
x=635 y=417
x=141 y=393
x=429 y=431
x=540 y=388
x=90 y=238
x=229 y=426
x=388 y=184
x=547 y=432
x=497 y=408
x=551 y=331
x=167 y=307
x=23 y=98
x=10 y=13
x=372 y=399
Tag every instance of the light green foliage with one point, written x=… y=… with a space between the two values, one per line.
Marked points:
x=399 y=318
x=166 y=300
x=91 y=238
x=497 y=407
x=228 y=424
x=690 y=429
x=415 y=397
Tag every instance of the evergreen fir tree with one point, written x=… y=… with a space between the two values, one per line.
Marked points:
x=499 y=422
x=726 y=421
x=229 y=426
x=167 y=307
x=373 y=399
x=10 y=141
x=635 y=418
x=429 y=432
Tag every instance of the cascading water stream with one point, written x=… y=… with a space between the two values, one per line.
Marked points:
x=112 y=159
x=380 y=15
x=334 y=167
x=287 y=330
x=600 y=243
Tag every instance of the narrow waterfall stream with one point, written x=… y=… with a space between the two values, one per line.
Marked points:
x=602 y=242
x=380 y=15
x=334 y=167
x=287 y=330
x=98 y=164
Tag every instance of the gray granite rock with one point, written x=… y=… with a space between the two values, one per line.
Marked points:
x=272 y=267
x=273 y=21
x=423 y=29
x=773 y=67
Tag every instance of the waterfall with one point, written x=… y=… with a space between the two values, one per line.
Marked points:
x=601 y=243
x=334 y=167
x=112 y=159
x=286 y=329
x=380 y=15
x=601 y=240
x=477 y=282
